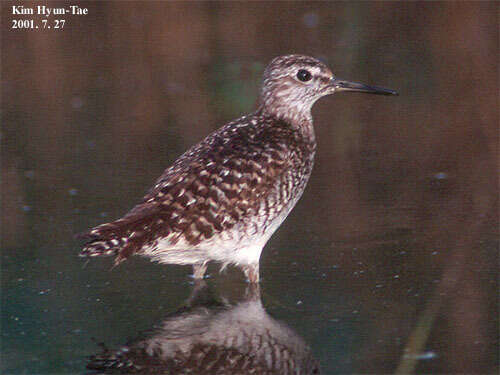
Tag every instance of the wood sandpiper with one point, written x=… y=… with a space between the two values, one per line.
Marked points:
x=223 y=198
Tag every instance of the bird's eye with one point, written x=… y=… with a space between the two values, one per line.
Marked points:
x=304 y=75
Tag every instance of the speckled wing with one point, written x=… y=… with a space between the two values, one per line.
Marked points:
x=224 y=180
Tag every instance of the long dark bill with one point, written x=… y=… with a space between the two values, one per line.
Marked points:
x=341 y=85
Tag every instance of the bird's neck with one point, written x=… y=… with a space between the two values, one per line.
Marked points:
x=300 y=119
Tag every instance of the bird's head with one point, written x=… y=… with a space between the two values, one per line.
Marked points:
x=293 y=83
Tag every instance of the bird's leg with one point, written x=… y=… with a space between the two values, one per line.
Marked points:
x=252 y=292
x=199 y=292
x=252 y=272
x=199 y=270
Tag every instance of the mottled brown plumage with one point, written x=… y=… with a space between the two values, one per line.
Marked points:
x=223 y=198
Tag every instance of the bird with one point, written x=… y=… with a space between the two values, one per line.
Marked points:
x=224 y=197
x=212 y=334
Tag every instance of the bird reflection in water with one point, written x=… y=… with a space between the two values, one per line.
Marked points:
x=210 y=335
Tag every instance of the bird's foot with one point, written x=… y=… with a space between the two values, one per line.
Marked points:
x=252 y=272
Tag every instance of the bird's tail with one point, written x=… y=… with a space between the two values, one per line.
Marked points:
x=126 y=236
x=103 y=240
